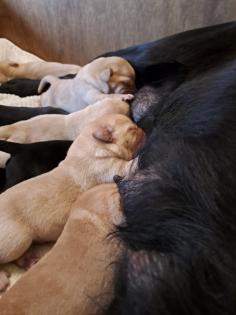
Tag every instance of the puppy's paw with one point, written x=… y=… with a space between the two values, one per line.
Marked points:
x=127 y=97
x=121 y=97
x=4 y=280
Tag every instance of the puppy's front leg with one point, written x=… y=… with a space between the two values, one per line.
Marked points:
x=15 y=238
x=40 y=128
x=94 y=95
x=4 y=280
x=126 y=169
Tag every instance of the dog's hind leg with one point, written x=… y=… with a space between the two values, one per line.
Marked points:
x=4 y=281
x=15 y=239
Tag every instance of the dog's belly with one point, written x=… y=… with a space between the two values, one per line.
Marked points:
x=146 y=97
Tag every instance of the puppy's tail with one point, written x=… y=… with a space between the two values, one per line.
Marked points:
x=46 y=82
x=10 y=147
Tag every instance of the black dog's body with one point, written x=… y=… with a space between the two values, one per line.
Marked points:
x=26 y=87
x=168 y=62
x=12 y=114
x=29 y=160
x=20 y=87
x=197 y=49
x=180 y=229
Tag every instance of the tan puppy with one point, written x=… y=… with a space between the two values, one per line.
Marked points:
x=76 y=276
x=59 y=127
x=111 y=75
x=37 y=209
x=34 y=70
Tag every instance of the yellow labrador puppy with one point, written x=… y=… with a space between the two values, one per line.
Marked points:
x=37 y=209
x=34 y=70
x=59 y=127
x=110 y=75
x=76 y=276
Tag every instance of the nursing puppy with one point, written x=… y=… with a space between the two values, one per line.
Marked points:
x=113 y=76
x=61 y=127
x=179 y=207
x=37 y=209
x=30 y=160
x=34 y=70
x=80 y=266
x=12 y=114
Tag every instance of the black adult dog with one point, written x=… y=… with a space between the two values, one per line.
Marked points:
x=180 y=228
x=198 y=49
x=166 y=63
x=11 y=114
x=29 y=160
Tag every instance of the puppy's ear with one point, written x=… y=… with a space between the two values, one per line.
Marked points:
x=104 y=134
x=106 y=74
x=46 y=82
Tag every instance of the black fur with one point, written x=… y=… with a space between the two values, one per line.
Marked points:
x=180 y=229
x=29 y=160
x=26 y=87
x=20 y=87
x=12 y=114
x=172 y=75
x=198 y=50
x=163 y=65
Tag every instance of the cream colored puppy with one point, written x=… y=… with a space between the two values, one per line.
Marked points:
x=111 y=75
x=77 y=275
x=59 y=127
x=34 y=70
x=37 y=209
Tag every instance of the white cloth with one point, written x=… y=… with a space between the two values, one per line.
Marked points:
x=15 y=100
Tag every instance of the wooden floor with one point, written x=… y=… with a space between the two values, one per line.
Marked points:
x=78 y=30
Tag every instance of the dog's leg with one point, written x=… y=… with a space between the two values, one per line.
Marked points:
x=5 y=132
x=122 y=97
x=4 y=280
x=14 y=132
x=94 y=96
x=4 y=157
x=15 y=239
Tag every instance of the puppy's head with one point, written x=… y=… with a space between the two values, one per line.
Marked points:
x=110 y=75
x=113 y=135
